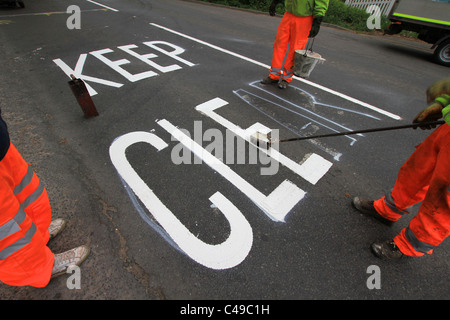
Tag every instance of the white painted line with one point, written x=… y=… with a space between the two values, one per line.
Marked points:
x=276 y=205
x=102 y=5
x=225 y=255
x=341 y=95
x=312 y=170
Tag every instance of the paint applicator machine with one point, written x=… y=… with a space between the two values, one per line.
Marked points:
x=261 y=137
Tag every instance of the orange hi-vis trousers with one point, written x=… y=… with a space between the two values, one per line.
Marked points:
x=424 y=177
x=293 y=31
x=25 y=215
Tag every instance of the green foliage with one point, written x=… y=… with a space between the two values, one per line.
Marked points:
x=349 y=17
x=338 y=12
x=260 y=5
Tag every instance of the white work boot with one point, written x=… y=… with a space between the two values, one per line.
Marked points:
x=73 y=257
x=56 y=226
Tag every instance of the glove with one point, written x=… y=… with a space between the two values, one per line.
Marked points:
x=273 y=7
x=431 y=113
x=315 y=26
x=437 y=89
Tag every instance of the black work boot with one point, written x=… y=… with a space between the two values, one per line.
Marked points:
x=386 y=250
x=268 y=80
x=283 y=84
x=366 y=207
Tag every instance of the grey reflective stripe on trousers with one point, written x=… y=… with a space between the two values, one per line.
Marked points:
x=23 y=184
x=418 y=245
x=287 y=75
x=25 y=181
x=32 y=197
x=391 y=204
x=276 y=72
x=11 y=227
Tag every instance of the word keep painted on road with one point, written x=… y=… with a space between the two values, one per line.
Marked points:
x=166 y=48
x=237 y=246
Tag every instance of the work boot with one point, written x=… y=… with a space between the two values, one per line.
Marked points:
x=73 y=257
x=387 y=250
x=55 y=227
x=366 y=207
x=268 y=80
x=283 y=84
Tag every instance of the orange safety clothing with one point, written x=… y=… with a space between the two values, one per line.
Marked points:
x=424 y=177
x=293 y=31
x=25 y=216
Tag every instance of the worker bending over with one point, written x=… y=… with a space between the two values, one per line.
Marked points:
x=424 y=177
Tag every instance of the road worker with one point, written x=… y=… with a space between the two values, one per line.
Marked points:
x=25 y=224
x=424 y=177
x=301 y=20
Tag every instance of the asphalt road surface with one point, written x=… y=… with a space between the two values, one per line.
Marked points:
x=162 y=185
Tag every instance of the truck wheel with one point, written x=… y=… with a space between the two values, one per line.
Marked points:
x=442 y=53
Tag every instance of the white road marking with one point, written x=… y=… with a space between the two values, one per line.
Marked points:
x=102 y=5
x=312 y=170
x=225 y=255
x=276 y=205
x=341 y=95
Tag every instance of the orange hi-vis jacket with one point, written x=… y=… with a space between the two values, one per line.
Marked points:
x=25 y=216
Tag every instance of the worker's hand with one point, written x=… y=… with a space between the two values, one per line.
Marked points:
x=315 y=26
x=437 y=89
x=431 y=113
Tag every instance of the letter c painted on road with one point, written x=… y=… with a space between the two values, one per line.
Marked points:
x=225 y=255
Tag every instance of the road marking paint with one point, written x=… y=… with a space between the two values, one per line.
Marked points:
x=77 y=72
x=312 y=169
x=102 y=5
x=276 y=205
x=336 y=93
x=225 y=255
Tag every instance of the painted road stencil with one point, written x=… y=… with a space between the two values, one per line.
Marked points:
x=311 y=116
x=276 y=205
x=225 y=255
x=161 y=47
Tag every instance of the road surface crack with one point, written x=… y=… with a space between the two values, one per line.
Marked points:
x=129 y=264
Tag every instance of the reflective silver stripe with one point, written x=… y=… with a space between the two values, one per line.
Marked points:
x=12 y=226
x=8 y=229
x=20 y=215
x=25 y=181
x=287 y=75
x=32 y=197
x=418 y=245
x=275 y=71
x=391 y=204
x=19 y=244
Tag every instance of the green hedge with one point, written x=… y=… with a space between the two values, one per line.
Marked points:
x=338 y=12
x=349 y=17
